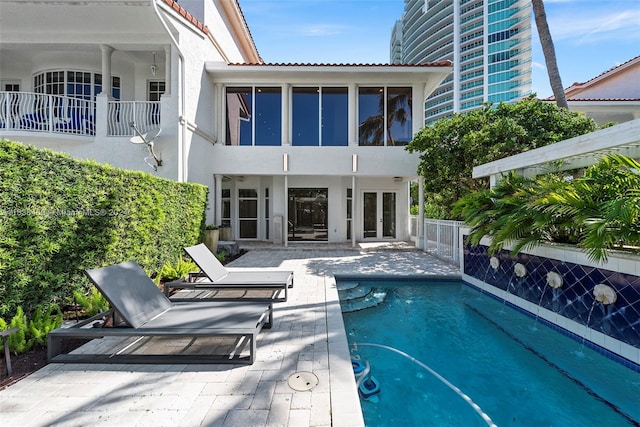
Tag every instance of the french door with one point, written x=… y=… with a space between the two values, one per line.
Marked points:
x=379 y=215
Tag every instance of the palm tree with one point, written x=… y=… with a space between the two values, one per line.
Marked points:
x=374 y=126
x=549 y=52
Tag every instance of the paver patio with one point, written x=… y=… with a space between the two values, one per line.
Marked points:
x=308 y=336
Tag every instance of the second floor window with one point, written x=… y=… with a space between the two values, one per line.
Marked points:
x=254 y=116
x=384 y=116
x=320 y=116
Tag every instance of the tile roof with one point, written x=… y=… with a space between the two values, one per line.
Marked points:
x=445 y=63
x=577 y=85
x=187 y=16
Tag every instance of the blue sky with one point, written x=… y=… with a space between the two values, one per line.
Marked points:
x=590 y=36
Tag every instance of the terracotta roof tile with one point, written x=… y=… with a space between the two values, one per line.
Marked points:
x=446 y=63
x=187 y=16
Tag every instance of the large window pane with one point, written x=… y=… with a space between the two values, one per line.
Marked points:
x=335 y=115
x=399 y=104
x=239 y=115
x=371 y=124
x=268 y=112
x=305 y=106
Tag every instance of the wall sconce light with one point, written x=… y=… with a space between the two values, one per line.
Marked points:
x=154 y=67
x=354 y=163
x=285 y=162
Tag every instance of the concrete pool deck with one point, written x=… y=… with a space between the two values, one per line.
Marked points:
x=307 y=336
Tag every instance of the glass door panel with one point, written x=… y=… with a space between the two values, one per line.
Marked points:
x=370 y=220
x=308 y=214
x=389 y=215
x=379 y=215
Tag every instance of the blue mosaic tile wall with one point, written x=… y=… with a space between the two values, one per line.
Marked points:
x=574 y=300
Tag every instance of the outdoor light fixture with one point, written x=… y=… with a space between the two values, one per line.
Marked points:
x=154 y=67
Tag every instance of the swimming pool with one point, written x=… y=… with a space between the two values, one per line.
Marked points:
x=517 y=370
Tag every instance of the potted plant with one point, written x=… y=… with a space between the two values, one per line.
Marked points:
x=211 y=237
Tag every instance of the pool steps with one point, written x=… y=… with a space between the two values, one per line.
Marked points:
x=354 y=297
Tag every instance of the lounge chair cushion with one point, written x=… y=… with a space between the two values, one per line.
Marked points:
x=128 y=287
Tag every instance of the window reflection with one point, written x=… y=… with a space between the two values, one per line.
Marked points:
x=384 y=126
x=239 y=111
x=335 y=116
x=399 y=113
x=305 y=105
x=371 y=116
x=246 y=105
x=320 y=116
x=268 y=112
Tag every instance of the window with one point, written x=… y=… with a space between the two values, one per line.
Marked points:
x=320 y=116
x=74 y=84
x=385 y=122
x=254 y=116
x=335 y=116
x=248 y=213
x=305 y=111
x=226 y=207
x=154 y=92
x=155 y=89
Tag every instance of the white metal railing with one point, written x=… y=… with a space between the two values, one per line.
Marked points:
x=38 y=112
x=122 y=114
x=441 y=238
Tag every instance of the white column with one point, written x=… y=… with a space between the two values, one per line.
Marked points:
x=354 y=216
x=167 y=70
x=417 y=115
x=106 y=69
x=285 y=216
x=220 y=111
x=353 y=114
x=420 y=243
x=286 y=114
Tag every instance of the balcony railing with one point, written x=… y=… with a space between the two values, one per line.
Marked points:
x=122 y=114
x=46 y=113
x=35 y=112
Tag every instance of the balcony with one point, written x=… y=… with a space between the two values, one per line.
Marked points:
x=54 y=114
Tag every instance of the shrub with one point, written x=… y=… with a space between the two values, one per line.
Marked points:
x=59 y=216
x=41 y=323
x=174 y=271
x=91 y=303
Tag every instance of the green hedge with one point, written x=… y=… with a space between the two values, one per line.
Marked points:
x=59 y=216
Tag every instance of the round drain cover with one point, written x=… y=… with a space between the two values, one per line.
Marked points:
x=303 y=381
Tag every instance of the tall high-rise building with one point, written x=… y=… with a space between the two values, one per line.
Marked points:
x=488 y=41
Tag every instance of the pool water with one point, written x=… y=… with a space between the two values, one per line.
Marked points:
x=518 y=371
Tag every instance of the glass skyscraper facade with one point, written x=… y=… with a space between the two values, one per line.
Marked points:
x=488 y=41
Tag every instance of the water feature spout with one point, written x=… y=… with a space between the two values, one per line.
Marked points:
x=605 y=294
x=554 y=280
x=520 y=270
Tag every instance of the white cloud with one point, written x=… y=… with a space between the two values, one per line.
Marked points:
x=592 y=26
x=538 y=65
x=319 y=30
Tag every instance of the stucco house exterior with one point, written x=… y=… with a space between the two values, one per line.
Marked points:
x=613 y=96
x=290 y=152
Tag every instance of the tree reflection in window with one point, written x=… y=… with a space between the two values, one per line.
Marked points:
x=383 y=123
